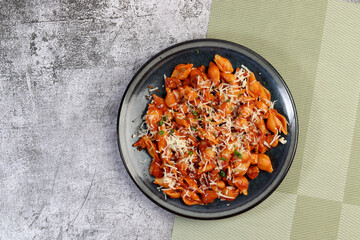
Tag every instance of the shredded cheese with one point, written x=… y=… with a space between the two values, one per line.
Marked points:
x=282 y=140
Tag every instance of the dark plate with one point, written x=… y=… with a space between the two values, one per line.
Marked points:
x=201 y=52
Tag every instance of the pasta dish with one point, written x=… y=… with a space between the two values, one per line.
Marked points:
x=209 y=135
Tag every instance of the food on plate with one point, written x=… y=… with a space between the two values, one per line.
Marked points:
x=209 y=136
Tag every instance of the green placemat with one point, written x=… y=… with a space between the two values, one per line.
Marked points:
x=315 y=45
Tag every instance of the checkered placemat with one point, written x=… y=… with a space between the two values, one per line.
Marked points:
x=315 y=45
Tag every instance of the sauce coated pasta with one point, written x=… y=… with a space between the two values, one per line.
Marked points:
x=209 y=135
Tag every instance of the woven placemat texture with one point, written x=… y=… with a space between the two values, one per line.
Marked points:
x=314 y=44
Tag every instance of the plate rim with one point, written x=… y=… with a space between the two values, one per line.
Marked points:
x=272 y=186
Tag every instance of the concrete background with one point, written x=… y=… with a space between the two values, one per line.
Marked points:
x=64 y=66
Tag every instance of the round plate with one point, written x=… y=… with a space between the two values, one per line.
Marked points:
x=134 y=106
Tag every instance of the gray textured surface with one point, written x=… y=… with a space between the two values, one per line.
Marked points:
x=64 y=66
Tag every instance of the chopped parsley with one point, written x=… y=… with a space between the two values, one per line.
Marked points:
x=228 y=100
x=195 y=113
x=193 y=128
x=223 y=159
x=161 y=122
x=161 y=133
x=237 y=154
x=191 y=152
x=222 y=173
x=172 y=131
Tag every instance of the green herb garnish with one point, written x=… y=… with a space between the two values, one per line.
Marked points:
x=223 y=159
x=195 y=113
x=197 y=51
x=172 y=131
x=236 y=153
x=191 y=152
x=222 y=173
x=166 y=118
x=193 y=128
x=228 y=100
x=161 y=133
x=161 y=122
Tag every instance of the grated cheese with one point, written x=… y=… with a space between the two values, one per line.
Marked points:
x=224 y=196
x=153 y=89
x=272 y=104
x=282 y=140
